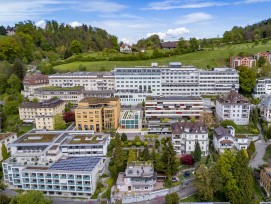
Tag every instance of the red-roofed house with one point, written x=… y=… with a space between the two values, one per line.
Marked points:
x=32 y=82
x=242 y=61
x=265 y=55
x=125 y=48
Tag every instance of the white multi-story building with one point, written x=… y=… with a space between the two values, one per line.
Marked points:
x=233 y=106
x=186 y=134
x=262 y=88
x=32 y=82
x=225 y=138
x=59 y=163
x=173 y=107
x=42 y=113
x=265 y=108
x=6 y=139
x=134 y=84
x=88 y=80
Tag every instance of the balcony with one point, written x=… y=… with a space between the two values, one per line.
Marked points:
x=86 y=178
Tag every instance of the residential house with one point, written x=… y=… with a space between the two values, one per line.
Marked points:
x=186 y=134
x=265 y=108
x=10 y=31
x=6 y=139
x=169 y=45
x=138 y=177
x=233 y=106
x=225 y=138
x=42 y=113
x=125 y=48
x=242 y=61
x=265 y=55
x=97 y=114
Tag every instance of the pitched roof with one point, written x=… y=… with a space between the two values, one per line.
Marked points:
x=36 y=79
x=188 y=127
x=232 y=97
x=5 y=135
x=266 y=102
x=220 y=132
x=124 y=45
x=169 y=44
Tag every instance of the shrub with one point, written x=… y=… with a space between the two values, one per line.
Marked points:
x=145 y=143
x=130 y=144
x=187 y=159
x=138 y=144
x=255 y=131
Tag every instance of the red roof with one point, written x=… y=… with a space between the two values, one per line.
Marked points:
x=36 y=79
x=124 y=45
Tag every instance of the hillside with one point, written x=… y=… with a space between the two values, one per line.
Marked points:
x=218 y=57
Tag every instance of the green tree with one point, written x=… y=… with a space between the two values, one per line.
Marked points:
x=5 y=154
x=31 y=197
x=169 y=159
x=197 y=152
x=11 y=49
x=131 y=155
x=146 y=153
x=59 y=123
x=226 y=123
x=35 y=100
x=119 y=156
x=2 y=30
x=261 y=61
x=203 y=183
x=181 y=44
x=172 y=198
x=123 y=137
x=3 y=83
x=247 y=78
x=13 y=123
x=193 y=119
x=243 y=176
x=4 y=198
x=251 y=149
x=76 y=47
x=194 y=44
x=14 y=83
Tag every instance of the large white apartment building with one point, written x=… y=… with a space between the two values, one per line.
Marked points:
x=88 y=80
x=262 y=88
x=173 y=107
x=186 y=134
x=59 y=163
x=134 y=84
x=233 y=106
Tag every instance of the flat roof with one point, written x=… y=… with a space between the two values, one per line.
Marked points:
x=173 y=98
x=37 y=138
x=82 y=74
x=59 y=88
x=76 y=164
x=87 y=139
x=96 y=100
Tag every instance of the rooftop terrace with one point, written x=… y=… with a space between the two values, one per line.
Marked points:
x=87 y=139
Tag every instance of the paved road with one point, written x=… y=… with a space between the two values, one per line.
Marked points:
x=257 y=161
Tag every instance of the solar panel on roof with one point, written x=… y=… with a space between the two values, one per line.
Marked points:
x=76 y=164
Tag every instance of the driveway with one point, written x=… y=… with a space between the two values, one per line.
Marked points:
x=257 y=161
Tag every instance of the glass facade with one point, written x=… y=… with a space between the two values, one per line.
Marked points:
x=130 y=120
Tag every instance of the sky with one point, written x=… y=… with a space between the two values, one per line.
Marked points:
x=131 y=20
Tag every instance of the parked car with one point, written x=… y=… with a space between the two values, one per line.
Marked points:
x=174 y=179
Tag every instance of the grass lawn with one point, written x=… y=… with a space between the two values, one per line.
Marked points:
x=193 y=198
x=24 y=129
x=243 y=129
x=214 y=58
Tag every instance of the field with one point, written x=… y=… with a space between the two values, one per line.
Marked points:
x=216 y=57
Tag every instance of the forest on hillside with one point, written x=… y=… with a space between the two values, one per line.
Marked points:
x=254 y=32
x=56 y=40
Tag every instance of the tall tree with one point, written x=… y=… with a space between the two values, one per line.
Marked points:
x=169 y=159
x=4 y=152
x=18 y=69
x=203 y=183
x=59 y=123
x=76 y=47
x=30 y=197
x=194 y=44
x=131 y=155
x=123 y=137
x=14 y=83
x=247 y=78
x=197 y=152
x=146 y=153
x=244 y=181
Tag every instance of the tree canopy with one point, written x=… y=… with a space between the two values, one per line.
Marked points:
x=247 y=78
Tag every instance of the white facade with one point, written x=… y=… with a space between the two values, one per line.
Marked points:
x=134 y=84
x=39 y=161
x=262 y=88
x=225 y=138
x=125 y=48
x=173 y=107
x=233 y=106
x=88 y=80
x=265 y=108
x=6 y=139
x=186 y=134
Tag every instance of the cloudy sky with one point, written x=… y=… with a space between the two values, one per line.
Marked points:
x=132 y=20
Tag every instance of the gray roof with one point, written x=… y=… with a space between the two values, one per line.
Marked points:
x=85 y=74
x=173 y=98
x=232 y=97
x=51 y=103
x=188 y=127
x=220 y=132
x=266 y=102
x=76 y=164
